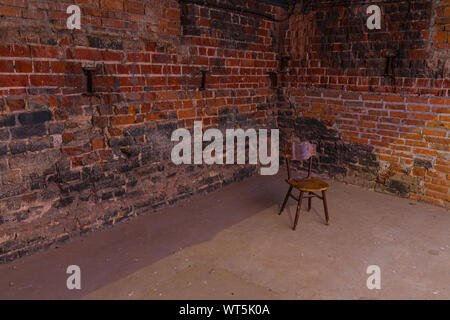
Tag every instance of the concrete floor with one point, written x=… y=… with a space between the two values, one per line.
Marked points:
x=232 y=245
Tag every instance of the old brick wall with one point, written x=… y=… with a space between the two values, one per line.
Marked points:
x=71 y=162
x=384 y=129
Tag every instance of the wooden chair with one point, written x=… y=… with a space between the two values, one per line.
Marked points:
x=309 y=185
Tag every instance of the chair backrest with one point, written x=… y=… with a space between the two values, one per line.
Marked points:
x=303 y=150
x=300 y=151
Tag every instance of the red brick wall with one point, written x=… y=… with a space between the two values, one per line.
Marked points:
x=442 y=25
x=331 y=47
x=396 y=127
x=72 y=162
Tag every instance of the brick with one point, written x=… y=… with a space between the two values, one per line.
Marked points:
x=18 y=147
x=418 y=108
x=438 y=188
x=441 y=109
x=11 y=81
x=399 y=114
x=134 y=6
x=4 y=134
x=413 y=136
x=424 y=116
x=417 y=100
x=16 y=104
x=390 y=159
x=14 y=51
x=186 y=114
x=395 y=106
x=123 y=120
x=46 y=52
x=111 y=4
x=23 y=66
x=440 y=36
x=33 y=118
x=28 y=131
x=438 y=140
x=394 y=99
x=97 y=144
x=438 y=125
x=445 y=169
x=371 y=98
x=6 y=66
x=437 y=195
x=416 y=143
x=443 y=182
x=419 y=172
x=426 y=198
x=440 y=101
x=434 y=133
x=41 y=66
x=10 y=11
x=417 y=54
x=58 y=67
x=425 y=151
x=7 y=121
x=410 y=122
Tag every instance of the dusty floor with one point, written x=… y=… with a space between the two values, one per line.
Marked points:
x=232 y=245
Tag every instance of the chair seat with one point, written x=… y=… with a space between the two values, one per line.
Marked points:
x=311 y=184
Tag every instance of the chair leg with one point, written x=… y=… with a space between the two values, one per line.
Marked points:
x=299 y=207
x=285 y=200
x=309 y=203
x=325 y=206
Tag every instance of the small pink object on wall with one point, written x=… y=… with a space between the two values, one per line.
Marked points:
x=303 y=150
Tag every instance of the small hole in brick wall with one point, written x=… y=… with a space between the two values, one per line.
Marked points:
x=284 y=62
x=203 y=83
x=273 y=79
x=89 y=73
x=389 y=68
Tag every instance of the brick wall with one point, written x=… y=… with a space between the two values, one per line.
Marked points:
x=442 y=25
x=385 y=130
x=71 y=162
